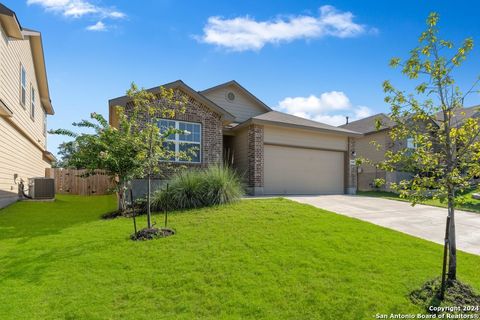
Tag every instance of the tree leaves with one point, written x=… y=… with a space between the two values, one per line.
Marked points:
x=135 y=145
x=446 y=145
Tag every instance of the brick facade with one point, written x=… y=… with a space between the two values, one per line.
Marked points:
x=255 y=159
x=212 y=130
x=212 y=135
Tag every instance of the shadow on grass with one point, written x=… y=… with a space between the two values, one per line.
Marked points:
x=469 y=204
x=30 y=267
x=30 y=219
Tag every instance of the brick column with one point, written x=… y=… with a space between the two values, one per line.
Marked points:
x=255 y=159
x=350 y=170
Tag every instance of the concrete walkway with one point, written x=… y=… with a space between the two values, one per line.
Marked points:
x=421 y=221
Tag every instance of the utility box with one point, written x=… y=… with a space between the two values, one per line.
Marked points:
x=41 y=188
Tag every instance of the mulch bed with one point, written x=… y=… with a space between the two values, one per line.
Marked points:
x=152 y=233
x=126 y=214
x=457 y=294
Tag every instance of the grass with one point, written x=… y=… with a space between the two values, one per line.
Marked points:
x=255 y=259
x=469 y=204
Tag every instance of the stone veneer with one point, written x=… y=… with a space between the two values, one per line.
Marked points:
x=255 y=159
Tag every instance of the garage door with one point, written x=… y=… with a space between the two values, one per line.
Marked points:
x=291 y=170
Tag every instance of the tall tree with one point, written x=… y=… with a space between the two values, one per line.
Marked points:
x=445 y=157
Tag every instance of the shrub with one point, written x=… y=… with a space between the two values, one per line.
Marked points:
x=199 y=188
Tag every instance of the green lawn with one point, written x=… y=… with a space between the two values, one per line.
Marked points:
x=469 y=204
x=257 y=259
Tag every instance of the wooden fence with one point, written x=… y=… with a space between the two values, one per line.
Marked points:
x=71 y=181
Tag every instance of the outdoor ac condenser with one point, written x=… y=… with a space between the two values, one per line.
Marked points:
x=41 y=188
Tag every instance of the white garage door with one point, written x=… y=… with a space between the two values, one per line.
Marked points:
x=290 y=170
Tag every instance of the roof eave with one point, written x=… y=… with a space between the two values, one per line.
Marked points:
x=296 y=126
x=10 y=23
x=36 y=45
x=49 y=156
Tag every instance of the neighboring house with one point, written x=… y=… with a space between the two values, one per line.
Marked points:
x=24 y=106
x=276 y=153
x=366 y=146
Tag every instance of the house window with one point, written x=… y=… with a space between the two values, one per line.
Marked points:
x=410 y=143
x=23 y=85
x=32 y=102
x=189 y=143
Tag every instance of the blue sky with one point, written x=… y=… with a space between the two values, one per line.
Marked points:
x=319 y=59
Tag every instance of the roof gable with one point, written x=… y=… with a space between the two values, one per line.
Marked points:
x=237 y=100
x=10 y=23
x=179 y=84
x=242 y=89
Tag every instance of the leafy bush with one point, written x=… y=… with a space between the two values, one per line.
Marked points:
x=199 y=188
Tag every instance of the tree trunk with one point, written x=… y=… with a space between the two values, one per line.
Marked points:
x=121 y=206
x=149 y=182
x=445 y=260
x=452 y=245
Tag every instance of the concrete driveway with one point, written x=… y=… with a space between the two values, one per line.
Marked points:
x=425 y=222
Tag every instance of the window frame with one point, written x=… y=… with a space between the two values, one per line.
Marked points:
x=33 y=101
x=23 y=86
x=176 y=141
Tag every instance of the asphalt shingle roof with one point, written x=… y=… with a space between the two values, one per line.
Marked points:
x=367 y=125
x=288 y=119
x=461 y=114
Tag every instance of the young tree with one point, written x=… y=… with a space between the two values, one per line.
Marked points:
x=135 y=147
x=146 y=111
x=446 y=155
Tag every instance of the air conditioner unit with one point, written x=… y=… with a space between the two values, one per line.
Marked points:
x=41 y=188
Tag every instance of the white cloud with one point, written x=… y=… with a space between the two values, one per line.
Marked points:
x=245 y=33
x=327 y=101
x=329 y=107
x=362 y=112
x=77 y=8
x=99 y=26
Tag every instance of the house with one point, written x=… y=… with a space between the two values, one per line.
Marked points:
x=24 y=106
x=274 y=152
x=366 y=146
x=372 y=146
